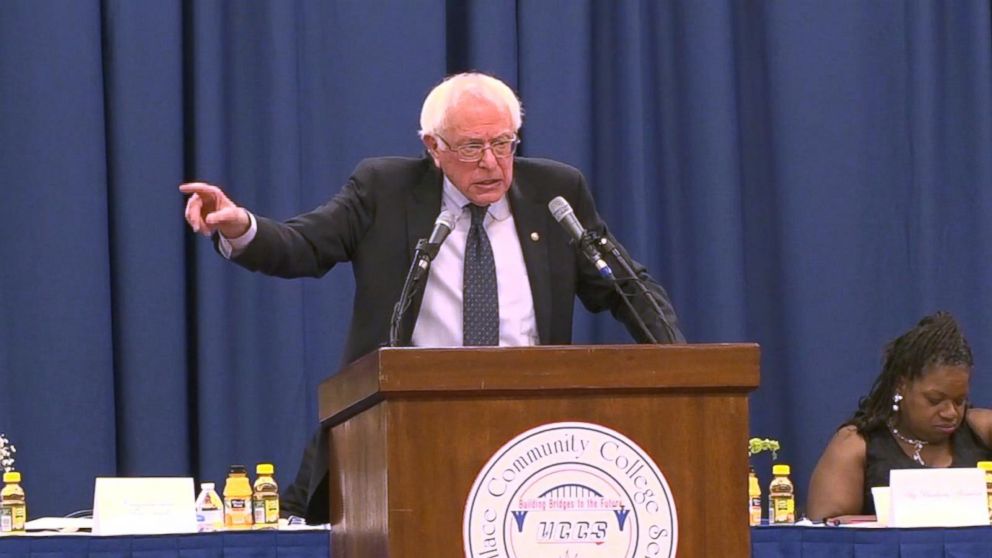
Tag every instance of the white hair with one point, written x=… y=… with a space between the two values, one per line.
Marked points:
x=434 y=114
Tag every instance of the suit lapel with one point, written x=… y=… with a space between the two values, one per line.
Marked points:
x=531 y=221
x=423 y=205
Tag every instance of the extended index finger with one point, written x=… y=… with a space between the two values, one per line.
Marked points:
x=201 y=188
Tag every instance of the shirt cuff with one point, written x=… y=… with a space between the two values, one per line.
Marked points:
x=233 y=247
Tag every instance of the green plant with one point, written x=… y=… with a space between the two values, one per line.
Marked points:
x=7 y=451
x=758 y=445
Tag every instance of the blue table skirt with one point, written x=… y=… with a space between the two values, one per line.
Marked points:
x=847 y=542
x=261 y=544
x=766 y=542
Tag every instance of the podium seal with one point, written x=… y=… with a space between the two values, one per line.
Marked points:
x=570 y=490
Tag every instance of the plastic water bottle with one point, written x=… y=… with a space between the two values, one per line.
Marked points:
x=209 y=509
x=13 y=504
x=237 y=499
x=781 y=497
x=265 y=500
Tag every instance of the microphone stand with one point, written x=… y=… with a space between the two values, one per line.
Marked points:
x=606 y=244
x=415 y=279
x=633 y=312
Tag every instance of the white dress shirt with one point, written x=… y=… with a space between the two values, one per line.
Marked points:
x=439 y=323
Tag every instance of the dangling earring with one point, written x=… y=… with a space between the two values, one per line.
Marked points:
x=895 y=402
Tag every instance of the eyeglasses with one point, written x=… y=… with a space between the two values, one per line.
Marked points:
x=474 y=151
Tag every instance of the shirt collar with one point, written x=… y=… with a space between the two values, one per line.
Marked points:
x=453 y=199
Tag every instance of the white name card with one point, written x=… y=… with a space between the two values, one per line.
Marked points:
x=937 y=498
x=143 y=506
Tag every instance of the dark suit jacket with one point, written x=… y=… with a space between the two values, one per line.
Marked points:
x=391 y=202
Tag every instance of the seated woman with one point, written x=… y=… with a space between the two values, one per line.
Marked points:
x=916 y=415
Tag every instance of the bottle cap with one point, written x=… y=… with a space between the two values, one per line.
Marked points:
x=780 y=470
x=12 y=476
x=206 y=486
x=264 y=469
x=238 y=470
x=985 y=465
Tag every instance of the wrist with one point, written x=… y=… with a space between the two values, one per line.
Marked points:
x=238 y=228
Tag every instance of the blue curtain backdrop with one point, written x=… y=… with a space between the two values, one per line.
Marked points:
x=813 y=176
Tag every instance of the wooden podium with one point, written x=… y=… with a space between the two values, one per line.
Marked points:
x=410 y=429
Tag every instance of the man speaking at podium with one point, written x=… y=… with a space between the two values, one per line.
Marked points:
x=504 y=272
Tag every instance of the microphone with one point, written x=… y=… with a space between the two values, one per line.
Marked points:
x=427 y=251
x=442 y=227
x=563 y=213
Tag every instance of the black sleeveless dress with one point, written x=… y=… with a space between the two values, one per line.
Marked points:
x=884 y=454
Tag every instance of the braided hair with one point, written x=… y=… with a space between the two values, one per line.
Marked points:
x=935 y=341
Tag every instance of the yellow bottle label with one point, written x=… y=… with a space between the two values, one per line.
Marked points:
x=784 y=510
x=267 y=512
x=12 y=518
x=272 y=511
x=20 y=517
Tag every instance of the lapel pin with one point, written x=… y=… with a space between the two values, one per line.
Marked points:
x=535 y=237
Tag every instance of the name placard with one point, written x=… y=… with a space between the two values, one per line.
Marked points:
x=143 y=506
x=937 y=498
